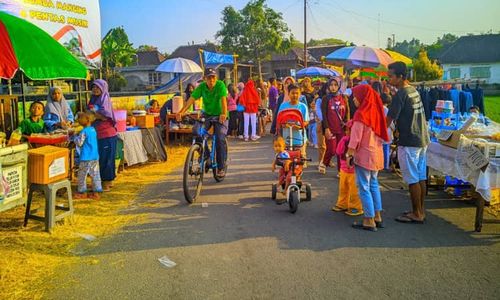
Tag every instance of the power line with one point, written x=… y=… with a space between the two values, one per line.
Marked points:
x=399 y=24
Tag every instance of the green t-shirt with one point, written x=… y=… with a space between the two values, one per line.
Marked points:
x=212 y=99
x=29 y=126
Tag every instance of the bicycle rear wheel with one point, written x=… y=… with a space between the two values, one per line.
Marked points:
x=214 y=170
x=193 y=173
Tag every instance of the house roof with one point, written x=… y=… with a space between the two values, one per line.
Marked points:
x=147 y=58
x=318 y=51
x=293 y=54
x=473 y=49
x=191 y=51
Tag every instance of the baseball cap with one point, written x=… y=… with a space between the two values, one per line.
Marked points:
x=210 y=72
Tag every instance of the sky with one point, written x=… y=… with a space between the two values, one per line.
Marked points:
x=168 y=24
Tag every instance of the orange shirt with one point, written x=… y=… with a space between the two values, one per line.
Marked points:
x=368 y=146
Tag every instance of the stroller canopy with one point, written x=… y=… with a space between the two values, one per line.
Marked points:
x=290 y=115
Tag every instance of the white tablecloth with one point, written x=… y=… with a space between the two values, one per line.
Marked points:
x=134 y=152
x=447 y=161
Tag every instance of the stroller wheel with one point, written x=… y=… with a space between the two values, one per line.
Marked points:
x=308 y=192
x=274 y=191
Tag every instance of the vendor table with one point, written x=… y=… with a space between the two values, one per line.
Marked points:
x=486 y=181
x=133 y=149
x=178 y=131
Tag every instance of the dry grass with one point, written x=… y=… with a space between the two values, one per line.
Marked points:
x=28 y=256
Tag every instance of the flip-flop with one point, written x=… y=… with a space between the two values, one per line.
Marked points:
x=338 y=209
x=408 y=220
x=406 y=212
x=359 y=225
x=380 y=224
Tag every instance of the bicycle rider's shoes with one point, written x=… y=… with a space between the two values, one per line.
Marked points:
x=221 y=173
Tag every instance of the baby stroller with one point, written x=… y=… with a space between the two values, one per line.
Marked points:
x=290 y=125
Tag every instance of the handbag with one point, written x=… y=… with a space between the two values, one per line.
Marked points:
x=240 y=108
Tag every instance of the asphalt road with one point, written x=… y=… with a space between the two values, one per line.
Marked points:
x=241 y=245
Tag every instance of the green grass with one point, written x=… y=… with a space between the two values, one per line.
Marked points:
x=492 y=107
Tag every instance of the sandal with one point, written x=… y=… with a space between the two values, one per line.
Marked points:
x=338 y=209
x=322 y=168
x=406 y=212
x=359 y=225
x=354 y=212
x=379 y=224
x=408 y=220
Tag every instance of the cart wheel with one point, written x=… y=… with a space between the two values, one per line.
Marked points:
x=274 y=191
x=293 y=201
x=308 y=192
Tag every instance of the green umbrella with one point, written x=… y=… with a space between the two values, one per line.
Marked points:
x=25 y=46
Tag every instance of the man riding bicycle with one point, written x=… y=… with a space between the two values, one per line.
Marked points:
x=214 y=93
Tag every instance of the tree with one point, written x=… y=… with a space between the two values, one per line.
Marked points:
x=116 y=50
x=425 y=69
x=254 y=32
x=442 y=43
x=409 y=49
x=146 y=48
x=326 y=42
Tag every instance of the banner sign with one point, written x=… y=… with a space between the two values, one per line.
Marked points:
x=76 y=24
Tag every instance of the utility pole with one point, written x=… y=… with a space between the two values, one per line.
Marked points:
x=393 y=41
x=305 y=34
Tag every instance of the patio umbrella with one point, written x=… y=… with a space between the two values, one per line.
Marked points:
x=25 y=46
x=179 y=66
x=316 y=72
x=358 y=57
x=399 y=57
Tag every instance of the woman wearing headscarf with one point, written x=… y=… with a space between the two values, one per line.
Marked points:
x=100 y=103
x=58 y=113
x=308 y=90
x=250 y=100
x=368 y=132
x=335 y=114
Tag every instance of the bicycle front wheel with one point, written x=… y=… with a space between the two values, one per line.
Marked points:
x=194 y=168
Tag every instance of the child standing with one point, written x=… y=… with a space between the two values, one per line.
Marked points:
x=89 y=159
x=35 y=123
x=154 y=109
x=282 y=159
x=312 y=125
x=348 y=200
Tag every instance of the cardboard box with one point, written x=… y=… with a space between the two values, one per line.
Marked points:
x=147 y=121
x=452 y=141
x=48 y=164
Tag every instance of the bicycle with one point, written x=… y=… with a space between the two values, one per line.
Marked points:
x=201 y=158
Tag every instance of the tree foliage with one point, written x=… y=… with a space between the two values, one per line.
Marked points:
x=412 y=48
x=425 y=69
x=116 y=50
x=146 y=48
x=254 y=32
x=326 y=42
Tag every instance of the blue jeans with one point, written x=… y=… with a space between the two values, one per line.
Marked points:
x=220 y=132
x=369 y=191
x=387 y=156
x=312 y=133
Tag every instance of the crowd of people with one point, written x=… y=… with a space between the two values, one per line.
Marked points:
x=349 y=123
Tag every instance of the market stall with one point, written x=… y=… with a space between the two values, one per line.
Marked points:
x=466 y=147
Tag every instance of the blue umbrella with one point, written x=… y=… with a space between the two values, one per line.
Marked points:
x=316 y=72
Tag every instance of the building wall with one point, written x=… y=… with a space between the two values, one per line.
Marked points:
x=465 y=72
x=139 y=80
